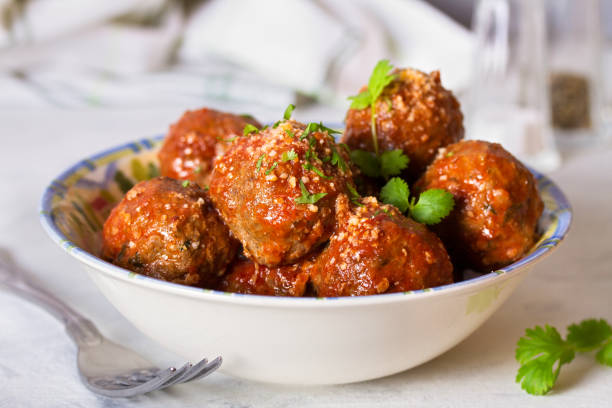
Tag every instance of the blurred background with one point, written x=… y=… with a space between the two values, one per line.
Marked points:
x=532 y=74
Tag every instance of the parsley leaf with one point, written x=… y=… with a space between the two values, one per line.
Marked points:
x=538 y=352
x=379 y=79
x=288 y=156
x=353 y=195
x=259 y=160
x=288 y=111
x=306 y=197
x=185 y=183
x=392 y=162
x=396 y=192
x=248 y=129
x=433 y=205
x=309 y=166
x=290 y=133
x=589 y=334
x=542 y=352
x=367 y=162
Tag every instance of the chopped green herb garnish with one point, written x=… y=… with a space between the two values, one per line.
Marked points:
x=353 y=195
x=264 y=128
x=290 y=133
x=450 y=154
x=185 y=183
x=248 y=129
x=275 y=125
x=258 y=165
x=288 y=111
x=271 y=168
x=309 y=166
x=317 y=127
x=230 y=140
x=431 y=207
x=379 y=79
x=288 y=156
x=337 y=160
x=197 y=169
x=542 y=352
x=306 y=197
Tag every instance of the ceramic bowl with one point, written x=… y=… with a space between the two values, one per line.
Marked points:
x=273 y=339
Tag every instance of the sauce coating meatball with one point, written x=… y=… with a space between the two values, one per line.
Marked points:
x=193 y=143
x=497 y=205
x=375 y=249
x=276 y=191
x=168 y=231
x=414 y=113
x=250 y=278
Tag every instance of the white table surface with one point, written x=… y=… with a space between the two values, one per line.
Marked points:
x=37 y=361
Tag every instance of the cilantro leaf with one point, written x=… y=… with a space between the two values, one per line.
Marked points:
x=248 y=129
x=396 y=192
x=432 y=206
x=538 y=352
x=306 y=197
x=367 y=162
x=380 y=78
x=288 y=111
x=392 y=162
x=604 y=356
x=361 y=101
x=288 y=156
x=589 y=334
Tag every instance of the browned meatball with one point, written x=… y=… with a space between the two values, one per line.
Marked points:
x=414 y=113
x=170 y=231
x=196 y=140
x=497 y=205
x=251 y=278
x=263 y=184
x=375 y=249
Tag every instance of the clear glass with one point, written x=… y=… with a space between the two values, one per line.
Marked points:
x=574 y=78
x=508 y=100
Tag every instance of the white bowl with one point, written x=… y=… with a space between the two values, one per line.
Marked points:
x=273 y=339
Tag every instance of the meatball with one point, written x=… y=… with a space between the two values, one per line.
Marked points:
x=497 y=205
x=375 y=249
x=196 y=140
x=168 y=230
x=251 y=278
x=415 y=114
x=276 y=190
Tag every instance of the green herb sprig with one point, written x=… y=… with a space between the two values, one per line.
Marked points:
x=380 y=78
x=430 y=208
x=306 y=197
x=542 y=352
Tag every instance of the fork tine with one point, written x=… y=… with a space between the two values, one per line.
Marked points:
x=180 y=373
x=151 y=385
x=206 y=369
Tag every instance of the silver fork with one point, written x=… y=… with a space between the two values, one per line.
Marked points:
x=105 y=367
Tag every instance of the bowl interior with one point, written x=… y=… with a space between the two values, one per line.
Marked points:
x=76 y=204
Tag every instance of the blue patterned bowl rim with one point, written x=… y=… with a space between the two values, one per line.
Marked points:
x=559 y=210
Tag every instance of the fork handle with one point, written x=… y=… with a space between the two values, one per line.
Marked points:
x=80 y=329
